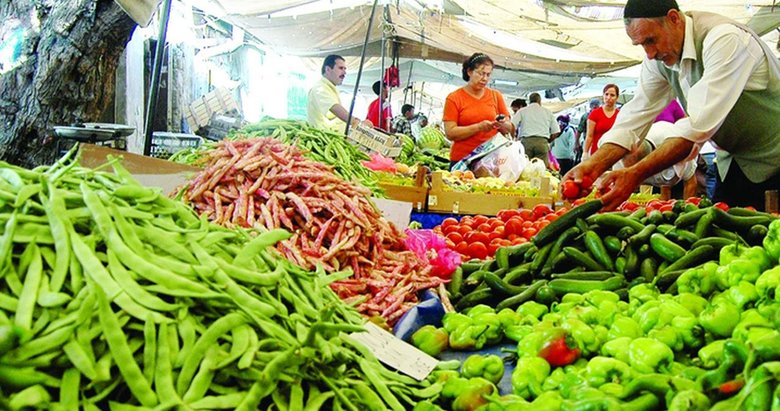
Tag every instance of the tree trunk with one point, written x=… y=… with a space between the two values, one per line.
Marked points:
x=66 y=71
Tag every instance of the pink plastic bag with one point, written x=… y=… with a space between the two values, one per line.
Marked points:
x=380 y=163
x=432 y=248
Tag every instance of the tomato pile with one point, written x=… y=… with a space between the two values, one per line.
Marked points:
x=668 y=205
x=480 y=236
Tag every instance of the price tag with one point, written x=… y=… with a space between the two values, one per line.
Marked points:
x=395 y=352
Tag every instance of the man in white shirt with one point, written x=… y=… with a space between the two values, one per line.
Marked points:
x=324 y=109
x=693 y=56
x=538 y=128
x=683 y=171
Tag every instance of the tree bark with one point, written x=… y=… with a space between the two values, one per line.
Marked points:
x=70 y=55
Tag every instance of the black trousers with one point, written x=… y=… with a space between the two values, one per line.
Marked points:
x=566 y=165
x=737 y=190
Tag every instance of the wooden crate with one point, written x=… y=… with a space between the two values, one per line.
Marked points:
x=375 y=141
x=416 y=194
x=219 y=101
x=440 y=199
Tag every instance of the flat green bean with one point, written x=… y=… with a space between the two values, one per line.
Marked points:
x=117 y=343
x=163 y=374
x=80 y=359
x=150 y=349
x=32 y=282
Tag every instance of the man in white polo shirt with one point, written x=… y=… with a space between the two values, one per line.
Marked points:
x=324 y=109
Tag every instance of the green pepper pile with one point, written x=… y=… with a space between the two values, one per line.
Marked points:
x=324 y=146
x=584 y=250
x=113 y=296
x=711 y=341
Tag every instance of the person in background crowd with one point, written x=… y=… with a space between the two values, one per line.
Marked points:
x=373 y=108
x=563 y=146
x=474 y=113
x=601 y=119
x=324 y=109
x=402 y=123
x=516 y=105
x=671 y=113
x=538 y=129
x=693 y=56
x=582 y=127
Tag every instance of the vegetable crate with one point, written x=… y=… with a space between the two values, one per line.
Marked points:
x=165 y=144
x=376 y=141
x=416 y=194
x=445 y=200
x=219 y=101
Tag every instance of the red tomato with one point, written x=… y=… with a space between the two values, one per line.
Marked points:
x=448 y=222
x=543 y=223
x=499 y=232
x=464 y=230
x=455 y=237
x=541 y=210
x=751 y=208
x=693 y=200
x=491 y=249
x=505 y=215
x=526 y=214
x=462 y=247
x=484 y=227
x=578 y=202
x=723 y=206
x=551 y=217
x=666 y=207
x=505 y=243
x=654 y=205
x=587 y=183
x=450 y=229
x=519 y=240
x=477 y=250
x=495 y=223
x=467 y=220
x=528 y=224
x=477 y=237
x=529 y=232
x=561 y=211
x=570 y=189
x=450 y=244
x=513 y=226
x=480 y=219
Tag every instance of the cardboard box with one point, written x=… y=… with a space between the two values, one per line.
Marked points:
x=442 y=199
x=151 y=172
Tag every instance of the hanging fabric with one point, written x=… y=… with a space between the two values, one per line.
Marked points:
x=392 y=76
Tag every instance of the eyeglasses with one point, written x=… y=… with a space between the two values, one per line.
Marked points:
x=482 y=74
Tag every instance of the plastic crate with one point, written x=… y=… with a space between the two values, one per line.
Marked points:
x=164 y=144
x=373 y=140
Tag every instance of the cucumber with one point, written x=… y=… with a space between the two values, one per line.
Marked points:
x=549 y=233
x=666 y=248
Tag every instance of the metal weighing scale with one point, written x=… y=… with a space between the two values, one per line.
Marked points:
x=105 y=134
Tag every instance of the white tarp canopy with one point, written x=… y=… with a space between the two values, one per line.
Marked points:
x=565 y=38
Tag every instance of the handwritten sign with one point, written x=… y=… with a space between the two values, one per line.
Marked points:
x=395 y=352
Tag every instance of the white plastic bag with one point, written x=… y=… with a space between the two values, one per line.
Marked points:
x=506 y=163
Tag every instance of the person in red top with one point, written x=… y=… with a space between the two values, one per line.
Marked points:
x=601 y=119
x=471 y=113
x=373 y=109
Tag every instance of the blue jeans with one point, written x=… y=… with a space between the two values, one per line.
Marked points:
x=712 y=174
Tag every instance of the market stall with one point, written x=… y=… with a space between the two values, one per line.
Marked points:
x=261 y=271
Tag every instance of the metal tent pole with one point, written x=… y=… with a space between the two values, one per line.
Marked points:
x=381 y=79
x=154 y=83
x=360 y=69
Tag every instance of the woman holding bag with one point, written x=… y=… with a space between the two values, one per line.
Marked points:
x=474 y=113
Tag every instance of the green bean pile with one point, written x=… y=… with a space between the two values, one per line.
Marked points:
x=113 y=296
x=319 y=145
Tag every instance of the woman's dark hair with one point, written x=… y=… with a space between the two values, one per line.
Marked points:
x=376 y=87
x=476 y=60
x=609 y=86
